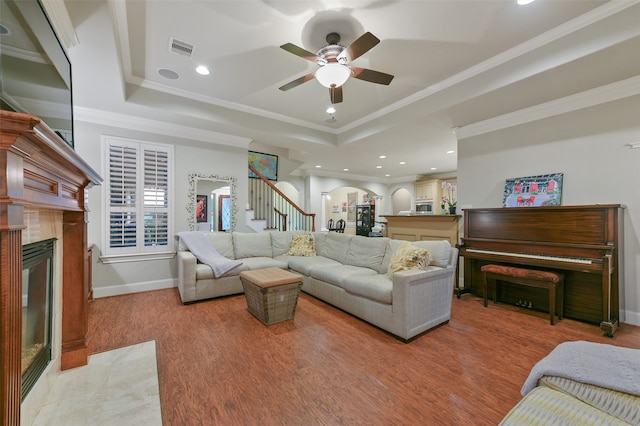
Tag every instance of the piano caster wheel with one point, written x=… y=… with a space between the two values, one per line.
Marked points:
x=610 y=335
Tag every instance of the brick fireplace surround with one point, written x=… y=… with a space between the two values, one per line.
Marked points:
x=40 y=171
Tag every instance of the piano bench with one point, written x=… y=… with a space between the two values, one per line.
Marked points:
x=528 y=277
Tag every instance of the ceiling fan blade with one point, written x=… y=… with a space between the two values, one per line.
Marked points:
x=297 y=82
x=361 y=46
x=371 y=75
x=335 y=93
x=299 y=51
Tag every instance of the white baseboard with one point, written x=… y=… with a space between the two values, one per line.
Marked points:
x=116 y=290
x=631 y=317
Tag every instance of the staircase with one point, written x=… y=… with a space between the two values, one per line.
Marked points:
x=271 y=210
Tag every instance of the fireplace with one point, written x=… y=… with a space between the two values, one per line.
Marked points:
x=37 y=307
x=40 y=171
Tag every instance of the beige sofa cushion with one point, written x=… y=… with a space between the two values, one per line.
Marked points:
x=304 y=264
x=319 y=238
x=367 y=252
x=336 y=246
x=392 y=246
x=280 y=242
x=249 y=244
x=377 y=287
x=337 y=275
x=222 y=242
x=263 y=262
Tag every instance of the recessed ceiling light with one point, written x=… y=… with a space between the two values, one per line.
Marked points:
x=523 y=2
x=450 y=151
x=434 y=168
x=403 y=162
x=345 y=170
x=331 y=110
x=383 y=156
x=387 y=175
x=202 y=70
x=318 y=166
x=378 y=167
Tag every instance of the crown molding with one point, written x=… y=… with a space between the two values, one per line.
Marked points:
x=59 y=17
x=543 y=39
x=588 y=98
x=137 y=123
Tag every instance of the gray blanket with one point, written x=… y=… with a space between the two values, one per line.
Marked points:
x=200 y=246
x=597 y=364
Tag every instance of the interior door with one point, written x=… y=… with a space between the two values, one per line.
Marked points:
x=224 y=215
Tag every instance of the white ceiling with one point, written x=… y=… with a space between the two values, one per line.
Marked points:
x=458 y=65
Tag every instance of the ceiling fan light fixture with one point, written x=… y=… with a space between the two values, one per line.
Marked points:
x=333 y=75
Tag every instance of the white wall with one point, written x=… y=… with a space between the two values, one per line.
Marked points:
x=190 y=156
x=590 y=147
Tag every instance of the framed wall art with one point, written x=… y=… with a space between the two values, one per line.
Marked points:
x=265 y=164
x=533 y=191
x=201 y=208
x=352 y=201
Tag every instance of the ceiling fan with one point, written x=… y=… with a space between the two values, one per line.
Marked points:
x=334 y=60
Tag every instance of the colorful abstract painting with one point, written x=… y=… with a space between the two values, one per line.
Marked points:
x=265 y=164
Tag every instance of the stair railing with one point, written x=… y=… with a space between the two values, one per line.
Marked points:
x=270 y=204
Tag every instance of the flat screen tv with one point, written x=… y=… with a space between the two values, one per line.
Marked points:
x=35 y=71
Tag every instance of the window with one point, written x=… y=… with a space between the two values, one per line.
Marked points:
x=139 y=197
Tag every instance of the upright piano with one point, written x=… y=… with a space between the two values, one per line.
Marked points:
x=584 y=243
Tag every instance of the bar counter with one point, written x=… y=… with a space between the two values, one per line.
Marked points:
x=423 y=227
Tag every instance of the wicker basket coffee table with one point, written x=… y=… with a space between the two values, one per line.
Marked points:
x=271 y=293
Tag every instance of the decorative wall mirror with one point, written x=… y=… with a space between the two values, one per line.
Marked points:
x=211 y=205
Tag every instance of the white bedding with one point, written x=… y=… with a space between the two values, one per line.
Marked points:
x=598 y=364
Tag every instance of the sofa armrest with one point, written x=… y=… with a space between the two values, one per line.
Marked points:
x=187 y=276
x=422 y=299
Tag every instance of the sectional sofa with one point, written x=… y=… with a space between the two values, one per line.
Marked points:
x=347 y=271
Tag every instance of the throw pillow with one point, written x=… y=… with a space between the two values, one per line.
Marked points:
x=408 y=256
x=302 y=245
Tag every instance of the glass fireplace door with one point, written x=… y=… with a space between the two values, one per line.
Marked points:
x=37 y=284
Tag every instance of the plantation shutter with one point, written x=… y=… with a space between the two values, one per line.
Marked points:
x=139 y=197
x=123 y=222
x=156 y=205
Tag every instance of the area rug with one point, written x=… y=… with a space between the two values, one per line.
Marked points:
x=118 y=387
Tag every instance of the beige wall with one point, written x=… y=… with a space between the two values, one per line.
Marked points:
x=338 y=198
x=401 y=200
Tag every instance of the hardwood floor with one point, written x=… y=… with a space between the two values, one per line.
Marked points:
x=218 y=365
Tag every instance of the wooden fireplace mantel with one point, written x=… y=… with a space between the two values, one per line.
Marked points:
x=41 y=171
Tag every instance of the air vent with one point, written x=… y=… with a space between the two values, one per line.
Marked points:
x=180 y=47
